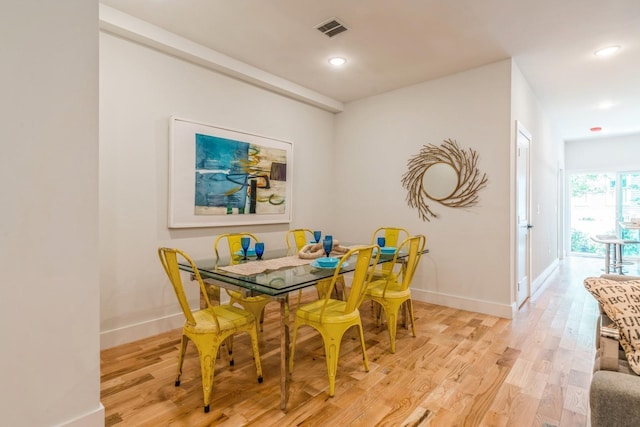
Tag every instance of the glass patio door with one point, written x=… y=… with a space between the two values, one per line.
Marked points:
x=598 y=203
x=629 y=209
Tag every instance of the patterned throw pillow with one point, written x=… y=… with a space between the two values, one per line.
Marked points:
x=621 y=302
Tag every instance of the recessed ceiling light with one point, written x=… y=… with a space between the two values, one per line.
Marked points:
x=596 y=129
x=610 y=50
x=337 y=61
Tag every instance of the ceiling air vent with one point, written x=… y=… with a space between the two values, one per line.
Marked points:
x=331 y=27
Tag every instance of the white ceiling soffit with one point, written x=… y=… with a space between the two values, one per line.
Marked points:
x=139 y=31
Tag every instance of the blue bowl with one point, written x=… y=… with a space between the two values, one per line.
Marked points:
x=327 y=262
x=388 y=250
x=250 y=252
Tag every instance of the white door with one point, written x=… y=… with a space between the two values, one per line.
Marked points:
x=523 y=244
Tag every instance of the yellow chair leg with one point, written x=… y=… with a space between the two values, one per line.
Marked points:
x=365 y=360
x=332 y=351
x=183 y=348
x=256 y=352
x=378 y=314
x=413 y=321
x=392 y=326
x=207 y=368
x=391 y=311
x=229 y=343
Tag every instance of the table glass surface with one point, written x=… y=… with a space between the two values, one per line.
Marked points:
x=277 y=282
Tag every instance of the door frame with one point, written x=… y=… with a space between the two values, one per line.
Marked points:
x=521 y=298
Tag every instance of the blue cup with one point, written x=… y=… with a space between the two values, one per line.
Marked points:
x=317 y=235
x=245 y=242
x=327 y=245
x=259 y=249
x=382 y=241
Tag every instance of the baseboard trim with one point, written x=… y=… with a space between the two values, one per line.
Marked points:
x=137 y=331
x=486 y=307
x=148 y=328
x=94 y=418
x=542 y=277
x=507 y=311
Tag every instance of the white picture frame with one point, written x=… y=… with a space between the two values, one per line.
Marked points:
x=224 y=177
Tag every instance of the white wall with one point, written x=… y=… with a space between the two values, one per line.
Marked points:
x=140 y=88
x=546 y=156
x=608 y=153
x=468 y=263
x=353 y=162
x=49 y=310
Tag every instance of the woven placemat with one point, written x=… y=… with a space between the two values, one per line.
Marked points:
x=252 y=268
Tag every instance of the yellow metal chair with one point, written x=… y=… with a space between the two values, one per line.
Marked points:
x=297 y=239
x=253 y=304
x=332 y=317
x=391 y=293
x=393 y=236
x=209 y=327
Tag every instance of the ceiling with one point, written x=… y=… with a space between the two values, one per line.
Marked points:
x=389 y=45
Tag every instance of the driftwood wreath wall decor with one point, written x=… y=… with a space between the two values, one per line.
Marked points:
x=445 y=174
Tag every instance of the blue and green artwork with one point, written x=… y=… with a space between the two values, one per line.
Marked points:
x=236 y=177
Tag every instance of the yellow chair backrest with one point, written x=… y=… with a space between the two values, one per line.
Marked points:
x=169 y=260
x=300 y=237
x=234 y=244
x=415 y=246
x=362 y=275
x=253 y=304
x=392 y=235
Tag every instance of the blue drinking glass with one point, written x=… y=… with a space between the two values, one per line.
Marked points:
x=327 y=244
x=382 y=241
x=317 y=235
x=259 y=249
x=245 y=242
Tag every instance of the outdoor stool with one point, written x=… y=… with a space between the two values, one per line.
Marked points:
x=612 y=261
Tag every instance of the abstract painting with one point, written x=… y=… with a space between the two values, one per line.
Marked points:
x=222 y=177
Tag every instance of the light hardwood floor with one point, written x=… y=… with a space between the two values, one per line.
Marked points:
x=462 y=369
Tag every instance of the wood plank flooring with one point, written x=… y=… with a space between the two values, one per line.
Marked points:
x=462 y=369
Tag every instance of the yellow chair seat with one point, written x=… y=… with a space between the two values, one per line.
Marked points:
x=229 y=318
x=253 y=304
x=393 y=290
x=254 y=299
x=385 y=272
x=334 y=313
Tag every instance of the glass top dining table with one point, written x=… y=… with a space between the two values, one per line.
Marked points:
x=277 y=283
x=274 y=283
